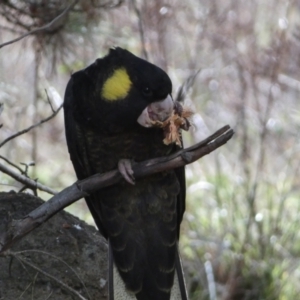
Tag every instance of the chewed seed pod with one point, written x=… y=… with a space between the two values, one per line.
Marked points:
x=172 y=126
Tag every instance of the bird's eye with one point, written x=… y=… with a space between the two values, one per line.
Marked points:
x=147 y=91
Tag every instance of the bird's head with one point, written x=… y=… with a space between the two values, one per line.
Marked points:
x=122 y=91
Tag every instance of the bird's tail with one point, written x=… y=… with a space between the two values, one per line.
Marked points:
x=178 y=291
x=117 y=290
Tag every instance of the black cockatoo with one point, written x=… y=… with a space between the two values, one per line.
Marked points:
x=107 y=110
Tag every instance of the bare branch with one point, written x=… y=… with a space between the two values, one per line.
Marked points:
x=45 y=27
x=49 y=101
x=31 y=127
x=30 y=183
x=186 y=86
x=12 y=164
x=33 y=266
x=19 y=228
x=27 y=165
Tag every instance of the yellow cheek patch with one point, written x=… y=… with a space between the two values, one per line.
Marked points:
x=117 y=86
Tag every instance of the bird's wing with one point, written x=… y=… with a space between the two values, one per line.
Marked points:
x=77 y=145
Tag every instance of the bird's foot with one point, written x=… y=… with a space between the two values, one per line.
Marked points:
x=125 y=168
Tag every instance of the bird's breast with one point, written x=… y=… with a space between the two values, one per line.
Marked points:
x=106 y=150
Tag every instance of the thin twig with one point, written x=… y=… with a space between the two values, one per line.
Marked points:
x=31 y=127
x=62 y=284
x=49 y=101
x=30 y=183
x=27 y=287
x=19 y=228
x=186 y=86
x=47 y=26
x=27 y=165
x=59 y=259
x=49 y=295
x=33 y=284
x=12 y=164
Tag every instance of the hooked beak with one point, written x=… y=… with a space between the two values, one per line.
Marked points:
x=156 y=111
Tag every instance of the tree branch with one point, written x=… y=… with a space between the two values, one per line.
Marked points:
x=28 y=182
x=16 y=229
x=45 y=27
x=12 y=164
x=31 y=127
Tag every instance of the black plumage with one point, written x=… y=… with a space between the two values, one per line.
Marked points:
x=141 y=221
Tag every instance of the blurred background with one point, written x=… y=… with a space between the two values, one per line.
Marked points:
x=239 y=62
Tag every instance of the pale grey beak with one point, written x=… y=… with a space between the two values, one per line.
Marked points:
x=156 y=111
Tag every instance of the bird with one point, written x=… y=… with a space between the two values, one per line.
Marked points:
x=108 y=108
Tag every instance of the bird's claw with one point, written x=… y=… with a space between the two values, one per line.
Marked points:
x=125 y=168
